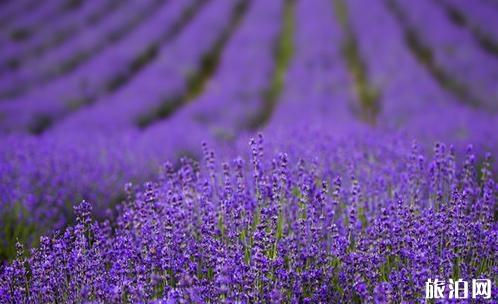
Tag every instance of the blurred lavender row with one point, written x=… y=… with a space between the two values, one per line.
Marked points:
x=411 y=98
x=75 y=49
x=317 y=85
x=55 y=99
x=453 y=50
x=158 y=84
x=53 y=31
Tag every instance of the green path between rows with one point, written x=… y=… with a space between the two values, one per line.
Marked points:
x=284 y=51
x=424 y=55
x=459 y=18
x=197 y=81
x=368 y=95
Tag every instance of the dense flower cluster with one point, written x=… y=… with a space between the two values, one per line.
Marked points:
x=276 y=229
x=351 y=198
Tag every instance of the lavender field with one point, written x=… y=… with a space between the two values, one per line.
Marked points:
x=248 y=151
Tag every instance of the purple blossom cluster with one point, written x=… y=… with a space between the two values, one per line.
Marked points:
x=276 y=228
x=108 y=196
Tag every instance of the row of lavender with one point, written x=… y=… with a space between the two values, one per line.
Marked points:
x=55 y=99
x=85 y=90
x=411 y=99
x=65 y=56
x=473 y=70
x=39 y=29
x=58 y=98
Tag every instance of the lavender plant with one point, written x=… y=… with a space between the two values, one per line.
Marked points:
x=278 y=229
